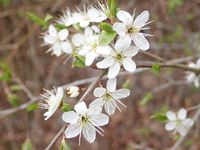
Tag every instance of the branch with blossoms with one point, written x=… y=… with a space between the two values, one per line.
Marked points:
x=106 y=38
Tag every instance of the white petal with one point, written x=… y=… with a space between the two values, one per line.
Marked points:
x=197 y=82
x=113 y=70
x=111 y=85
x=78 y=39
x=63 y=34
x=97 y=102
x=129 y=64
x=198 y=62
x=89 y=133
x=188 y=122
x=95 y=108
x=125 y=17
x=49 y=39
x=99 y=92
x=170 y=126
x=120 y=28
x=121 y=93
x=110 y=107
x=70 y=117
x=123 y=43
x=81 y=108
x=73 y=130
x=182 y=130
x=141 y=19
x=171 y=116
x=104 y=50
x=107 y=62
x=52 y=31
x=66 y=47
x=182 y=113
x=90 y=57
x=140 y=41
x=99 y=120
x=60 y=93
x=131 y=51
x=57 y=50
x=84 y=23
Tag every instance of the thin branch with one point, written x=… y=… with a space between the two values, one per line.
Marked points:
x=60 y=132
x=178 y=144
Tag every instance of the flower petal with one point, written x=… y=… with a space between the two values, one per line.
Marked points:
x=99 y=92
x=95 y=108
x=90 y=57
x=141 y=19
x=49 y=39
x=188 y=122
x=73 y=130
x=131 y=51
x=129 y=64
x=107 y=62
x=111 y=85
x=171 y=116
x=120 y=28
x=99 y=120
x=81 y=108
x=89 y=133
x=63 y=34
x=60 y=93
x=104 y=50
x=121 y=93
x=170 y=126
x=125 y=17
x=66 y=47
x=70 y=117
x=110 y=107
x=140 y=41
x=57 y=50
x=182 y=113
x=78 y=39
x=113 y=70
x=123 y=43
x=182 y=130
x=52 y=30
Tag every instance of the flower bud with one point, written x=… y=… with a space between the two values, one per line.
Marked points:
x=73 y=91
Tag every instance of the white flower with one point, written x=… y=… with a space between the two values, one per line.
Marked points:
x=121 y=56
x=92 y=48
x=109 y=97
x=178 y=122
x=68 y=18
x=85 y=120
x=73 y=91
x=193 y=77
x=131 y=28
x=53 y=101
x=58 y=41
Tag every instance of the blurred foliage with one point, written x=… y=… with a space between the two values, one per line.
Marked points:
x=79 y=61
x=5 y=73
x=27 y=145
x=107 y=37
x=32 y=107
x=13 y=100
x=173 y=4
x=160 y=116
x=5 y=3
x=148 y=97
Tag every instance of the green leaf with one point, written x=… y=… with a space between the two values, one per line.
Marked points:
x=66 y=107
x=106 y=37
x=47 y=18
x=146 y=99
x=27 y=145
x=155 y=69
x=15 y=88
x=65 y=145
x=36 y=19
x=160 y=116
x=13 y=100
x=113 y=7
x=32 y=107
x=106 y=27
x=5 y=73
x=5 y=3
x=79 y=61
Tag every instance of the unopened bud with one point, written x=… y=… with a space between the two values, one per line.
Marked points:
x=73 y=91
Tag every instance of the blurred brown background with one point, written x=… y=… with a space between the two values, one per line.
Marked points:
x=176 y=28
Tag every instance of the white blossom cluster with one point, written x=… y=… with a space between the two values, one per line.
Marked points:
x=79 y=34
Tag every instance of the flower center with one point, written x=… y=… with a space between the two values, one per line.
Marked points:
x=107 y=96
x=94 y=46
x=84 y=120
x=133 y=30
x=119 y=57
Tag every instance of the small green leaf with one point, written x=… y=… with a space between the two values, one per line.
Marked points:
x=65 y=145
x=113 y=7
x=160 y=116
x=15 y=88
x=32 y=107
x=27 y=145
x=5 y=73
x=106 y=27
x=106 y=37
x=79 y=61
x=13 y=100
x=66 y=107
x=47 y=18
x=36 y=19
x=155 y=69
x=146 y=99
